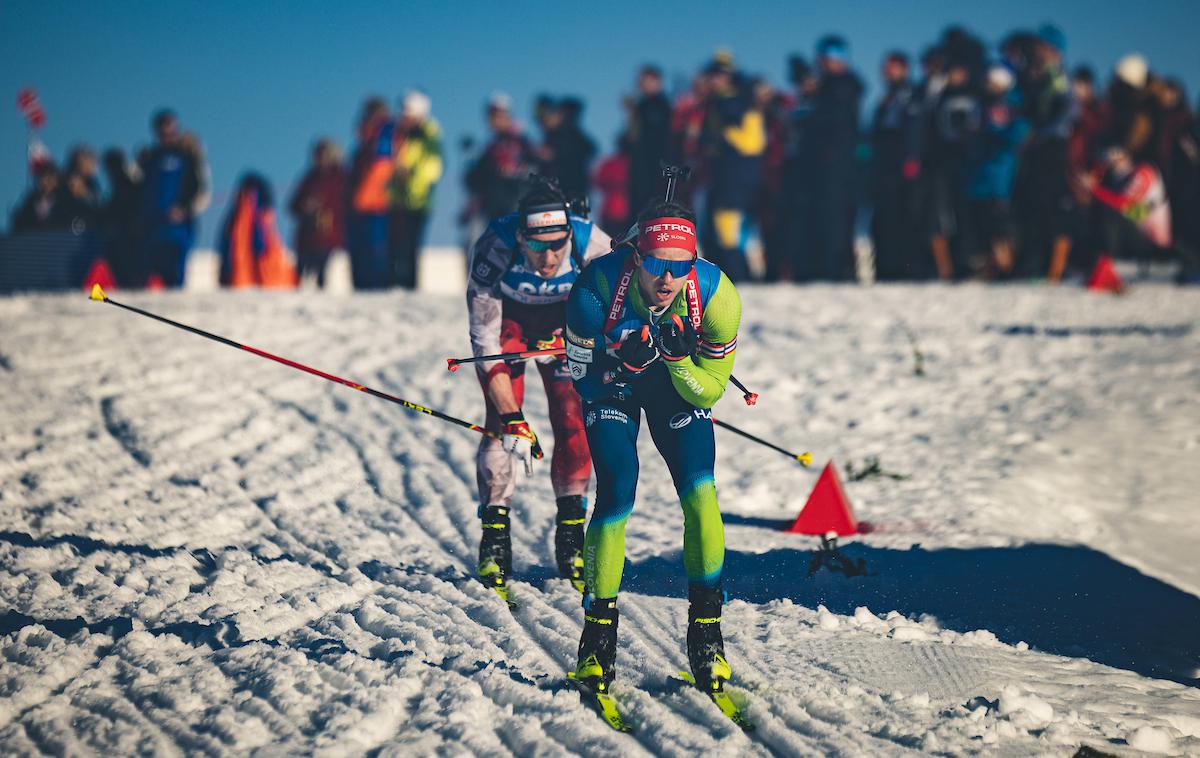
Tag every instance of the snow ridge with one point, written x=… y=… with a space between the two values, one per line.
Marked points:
x=203 y=553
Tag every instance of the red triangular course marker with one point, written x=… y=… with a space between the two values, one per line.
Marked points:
x=827 y=510
x=1104 y=277
x=101 y=274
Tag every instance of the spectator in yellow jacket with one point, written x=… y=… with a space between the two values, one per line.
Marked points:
x=418 y=167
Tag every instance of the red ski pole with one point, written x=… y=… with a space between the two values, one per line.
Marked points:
x=99 y=296
x=454 y=363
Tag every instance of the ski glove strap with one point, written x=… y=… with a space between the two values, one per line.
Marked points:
x=638 y=353
x=676 y=339
x=518 y=440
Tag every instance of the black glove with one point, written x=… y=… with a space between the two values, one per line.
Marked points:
x=638 y=353
x=677 y=339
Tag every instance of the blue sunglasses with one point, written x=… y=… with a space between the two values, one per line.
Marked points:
x=541 y=246
x=656 y=267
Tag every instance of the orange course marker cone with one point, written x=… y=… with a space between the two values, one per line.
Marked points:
x=827 y=510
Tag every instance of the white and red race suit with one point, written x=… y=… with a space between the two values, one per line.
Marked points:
x=512 y=308
x=1142 y=198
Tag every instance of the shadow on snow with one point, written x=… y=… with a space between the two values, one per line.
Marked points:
x=1066 y=600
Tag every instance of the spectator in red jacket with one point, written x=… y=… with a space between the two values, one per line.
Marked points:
x=319 y=207
x=500 y=175
x=612 y=180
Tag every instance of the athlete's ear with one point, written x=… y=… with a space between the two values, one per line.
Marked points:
x=637 y=258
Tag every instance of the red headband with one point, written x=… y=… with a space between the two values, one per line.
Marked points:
x=667 y=231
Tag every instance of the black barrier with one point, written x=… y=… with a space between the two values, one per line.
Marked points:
x=46 y=261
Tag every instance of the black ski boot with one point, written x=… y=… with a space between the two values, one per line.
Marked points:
x=568 y=539
x=495 y=550
x=706 y=647
x=598 y=645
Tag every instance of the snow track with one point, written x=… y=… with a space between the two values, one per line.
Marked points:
x=206 y=553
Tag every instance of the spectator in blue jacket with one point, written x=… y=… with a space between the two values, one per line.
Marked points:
x=171 y=185
x=991 y=171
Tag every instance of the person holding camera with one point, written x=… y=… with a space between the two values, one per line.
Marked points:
x=521 y=271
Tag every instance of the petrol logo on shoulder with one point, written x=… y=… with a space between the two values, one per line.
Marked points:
x=680 y=420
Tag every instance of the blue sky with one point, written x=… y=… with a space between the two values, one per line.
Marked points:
x=259 y=81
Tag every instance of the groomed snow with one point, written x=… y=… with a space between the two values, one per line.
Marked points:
x=204 y=552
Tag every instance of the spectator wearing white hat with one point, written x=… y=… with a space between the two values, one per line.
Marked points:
x=992 y=171
x=1131 y=108
x=418 y=168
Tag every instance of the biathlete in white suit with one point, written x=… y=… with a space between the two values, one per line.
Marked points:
x=521 y=272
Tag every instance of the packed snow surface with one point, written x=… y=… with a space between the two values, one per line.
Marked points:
x=204 y=552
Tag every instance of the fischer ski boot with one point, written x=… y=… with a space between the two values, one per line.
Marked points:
x=568 y=539
x=706 y=647
x=495 y=550
x=598 y=645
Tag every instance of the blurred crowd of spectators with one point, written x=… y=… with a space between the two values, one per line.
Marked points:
x=375 y=206
x=974 y=163
x=148 y=218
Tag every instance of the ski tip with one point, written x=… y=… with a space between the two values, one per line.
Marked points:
x=98 y=293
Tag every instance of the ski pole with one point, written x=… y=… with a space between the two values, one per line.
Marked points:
x=751 y=398
x=804 y=458
x=452 y=364
x=99 y=296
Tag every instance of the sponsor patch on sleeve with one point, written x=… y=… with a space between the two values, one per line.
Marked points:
x=484 y=272
x=587 y=342
x=578 y=354
x=578 y=370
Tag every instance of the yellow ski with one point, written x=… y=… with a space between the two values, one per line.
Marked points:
x=724 y=702
x=603 y=703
